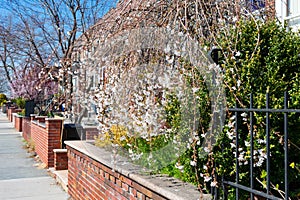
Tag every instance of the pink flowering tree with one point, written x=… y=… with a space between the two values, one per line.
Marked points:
x=34 y=83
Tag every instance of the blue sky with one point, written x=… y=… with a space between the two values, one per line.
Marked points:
x=7 y=14
x=5 y=9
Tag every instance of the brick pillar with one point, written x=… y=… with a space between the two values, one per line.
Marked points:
x=18 y=122
x=11 y=110
x=53 y=129
x=91 y=132
x=14 y=111
x=26 y=128
x=32 y=117
x=14 y=116
x=60 y=159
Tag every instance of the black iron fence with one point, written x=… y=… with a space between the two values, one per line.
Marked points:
x=251 y=187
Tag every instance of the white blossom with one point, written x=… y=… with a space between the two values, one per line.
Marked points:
x=206 y=150
x=230 y=135
x=213 y=183
x=260 y=141
x=247 y=144
x=234 y=19
x=232 y=145
x=207 y=178
x=178 y=166
x=244 y=114
x=193 y=163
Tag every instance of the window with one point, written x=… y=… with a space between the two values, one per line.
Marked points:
x=293 y=7
x=95 y=80
x=292 y=14
x=256 y=4
x=75 y=83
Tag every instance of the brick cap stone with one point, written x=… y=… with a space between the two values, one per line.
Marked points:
x=17 y=115
x=166 y=186
x=53 y=119
x=39 y=123
x=60 y=150
x=89 y=127
x=39 y=116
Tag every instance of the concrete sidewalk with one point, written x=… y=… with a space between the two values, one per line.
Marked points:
x=19 y=178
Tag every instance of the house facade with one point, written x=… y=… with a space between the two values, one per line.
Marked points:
x=288 y=11
x=87 y=78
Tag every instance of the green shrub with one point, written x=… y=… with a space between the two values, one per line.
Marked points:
x=3 y=99
x=22 y=113
x=20 y=102
x=264 y=59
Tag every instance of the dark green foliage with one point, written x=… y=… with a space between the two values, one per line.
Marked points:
x=259 y=58
x=267 y=62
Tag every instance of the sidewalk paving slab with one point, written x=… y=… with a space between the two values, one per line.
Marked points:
x=31 y=188
x=19 y=178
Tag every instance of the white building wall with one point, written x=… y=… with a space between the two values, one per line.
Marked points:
x=288 y=11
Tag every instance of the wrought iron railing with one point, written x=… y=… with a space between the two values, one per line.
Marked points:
x=250 y=188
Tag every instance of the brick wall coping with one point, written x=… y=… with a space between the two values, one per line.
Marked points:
x=60 y=150
x=41 y=124
x=12 y=107
x=33 y=115
x=17 y=115
x=39 y=116
x=89 y=127
x=166 y=186
x=53 y=119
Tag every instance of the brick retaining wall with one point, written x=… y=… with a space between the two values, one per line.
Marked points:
x=90 y=132
x=46 y=137
x=18 y=122
x=91 y=176
x=26 y=128
x=11 y=111
x=60 y=159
